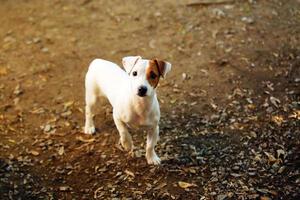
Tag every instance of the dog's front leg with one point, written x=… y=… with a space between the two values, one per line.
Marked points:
x=125 y=137
x=152 y=138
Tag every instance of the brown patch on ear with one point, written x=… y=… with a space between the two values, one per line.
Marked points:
x=161 y=66
x=153 y=73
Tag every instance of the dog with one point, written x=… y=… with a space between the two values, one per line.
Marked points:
x=132 y=94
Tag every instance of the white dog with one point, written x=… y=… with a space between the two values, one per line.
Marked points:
x=132 y=95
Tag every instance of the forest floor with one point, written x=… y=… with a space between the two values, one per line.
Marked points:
x=230 y=106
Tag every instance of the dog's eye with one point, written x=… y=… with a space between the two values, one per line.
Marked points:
x=153 y=75
x=134 y=73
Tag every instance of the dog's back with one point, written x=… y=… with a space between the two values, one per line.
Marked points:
x=105 y=78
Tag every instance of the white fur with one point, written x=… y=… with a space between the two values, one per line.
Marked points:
x=106 y=79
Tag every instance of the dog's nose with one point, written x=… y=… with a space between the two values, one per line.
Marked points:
x=142 y=90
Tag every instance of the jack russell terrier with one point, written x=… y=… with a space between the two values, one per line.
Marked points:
x=132 y=95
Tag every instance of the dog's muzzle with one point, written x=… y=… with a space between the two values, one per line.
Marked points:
x=142 y=90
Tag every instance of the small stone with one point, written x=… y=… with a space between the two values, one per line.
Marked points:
x=248 y=20
x=235 y=175
x=64 y=188
x=45 y=50
x=213 y=193
x=253 y=134
x=252 y=173
x=218 y=13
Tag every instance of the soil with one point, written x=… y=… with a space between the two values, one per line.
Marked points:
x=230 y=106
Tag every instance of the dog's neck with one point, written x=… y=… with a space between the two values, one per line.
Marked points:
x=142 y=104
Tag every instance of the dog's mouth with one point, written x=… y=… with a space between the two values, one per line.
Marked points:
x=141 y=95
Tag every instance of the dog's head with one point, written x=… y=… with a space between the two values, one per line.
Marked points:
x=145 y=74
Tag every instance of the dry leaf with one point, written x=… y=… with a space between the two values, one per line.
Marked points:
x=12 y=141
x=185 y=185
x=129 y=173
x=281 y=152
x=80 y=138
x=270 y=157
x=68 y=104
x=265 y=198
x=173 y=101
x=64 y=188
x=61 y=150
x=214 y=106
x=281 y=169
x=251 y=106
x=160 y=186
x=295 y=115
x=277 y=119
x=275 y=101
x=35 y=153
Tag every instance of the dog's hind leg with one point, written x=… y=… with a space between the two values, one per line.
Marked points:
x=90 y=100
x=125 y=137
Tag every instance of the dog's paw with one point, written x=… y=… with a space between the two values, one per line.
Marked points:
x=127 y=144
x=153 y=160
x=89 y=130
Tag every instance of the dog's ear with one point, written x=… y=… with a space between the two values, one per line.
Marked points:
x=163 y=66
x=129 y=61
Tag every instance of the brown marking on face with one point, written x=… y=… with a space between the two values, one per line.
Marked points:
x=153 y=73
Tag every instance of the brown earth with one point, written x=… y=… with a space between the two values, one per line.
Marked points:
x=230 y=106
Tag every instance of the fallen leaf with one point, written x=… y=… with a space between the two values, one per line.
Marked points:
x=64 y=188
x=173 y=101
x=160 y=186
x=251 y=106
x=98 y=193
x=271 y=158
x=214 y=106
x=18 y=90
x=185 y=185
x=35 y=153
x=275 y=101
x=281 y=152
x=277 y=119
x=68 y=104
x=82 y=139
x=67 y=113
x=295 y=115
x=61 y=150
x=265 y=198
x=47 y=128
x=129 y=173
x=12 y=141
x=281 y=169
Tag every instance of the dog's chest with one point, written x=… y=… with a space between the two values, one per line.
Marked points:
x=140 y=113
x=136 y=119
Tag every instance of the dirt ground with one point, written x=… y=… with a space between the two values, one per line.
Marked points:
x=230 y=106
